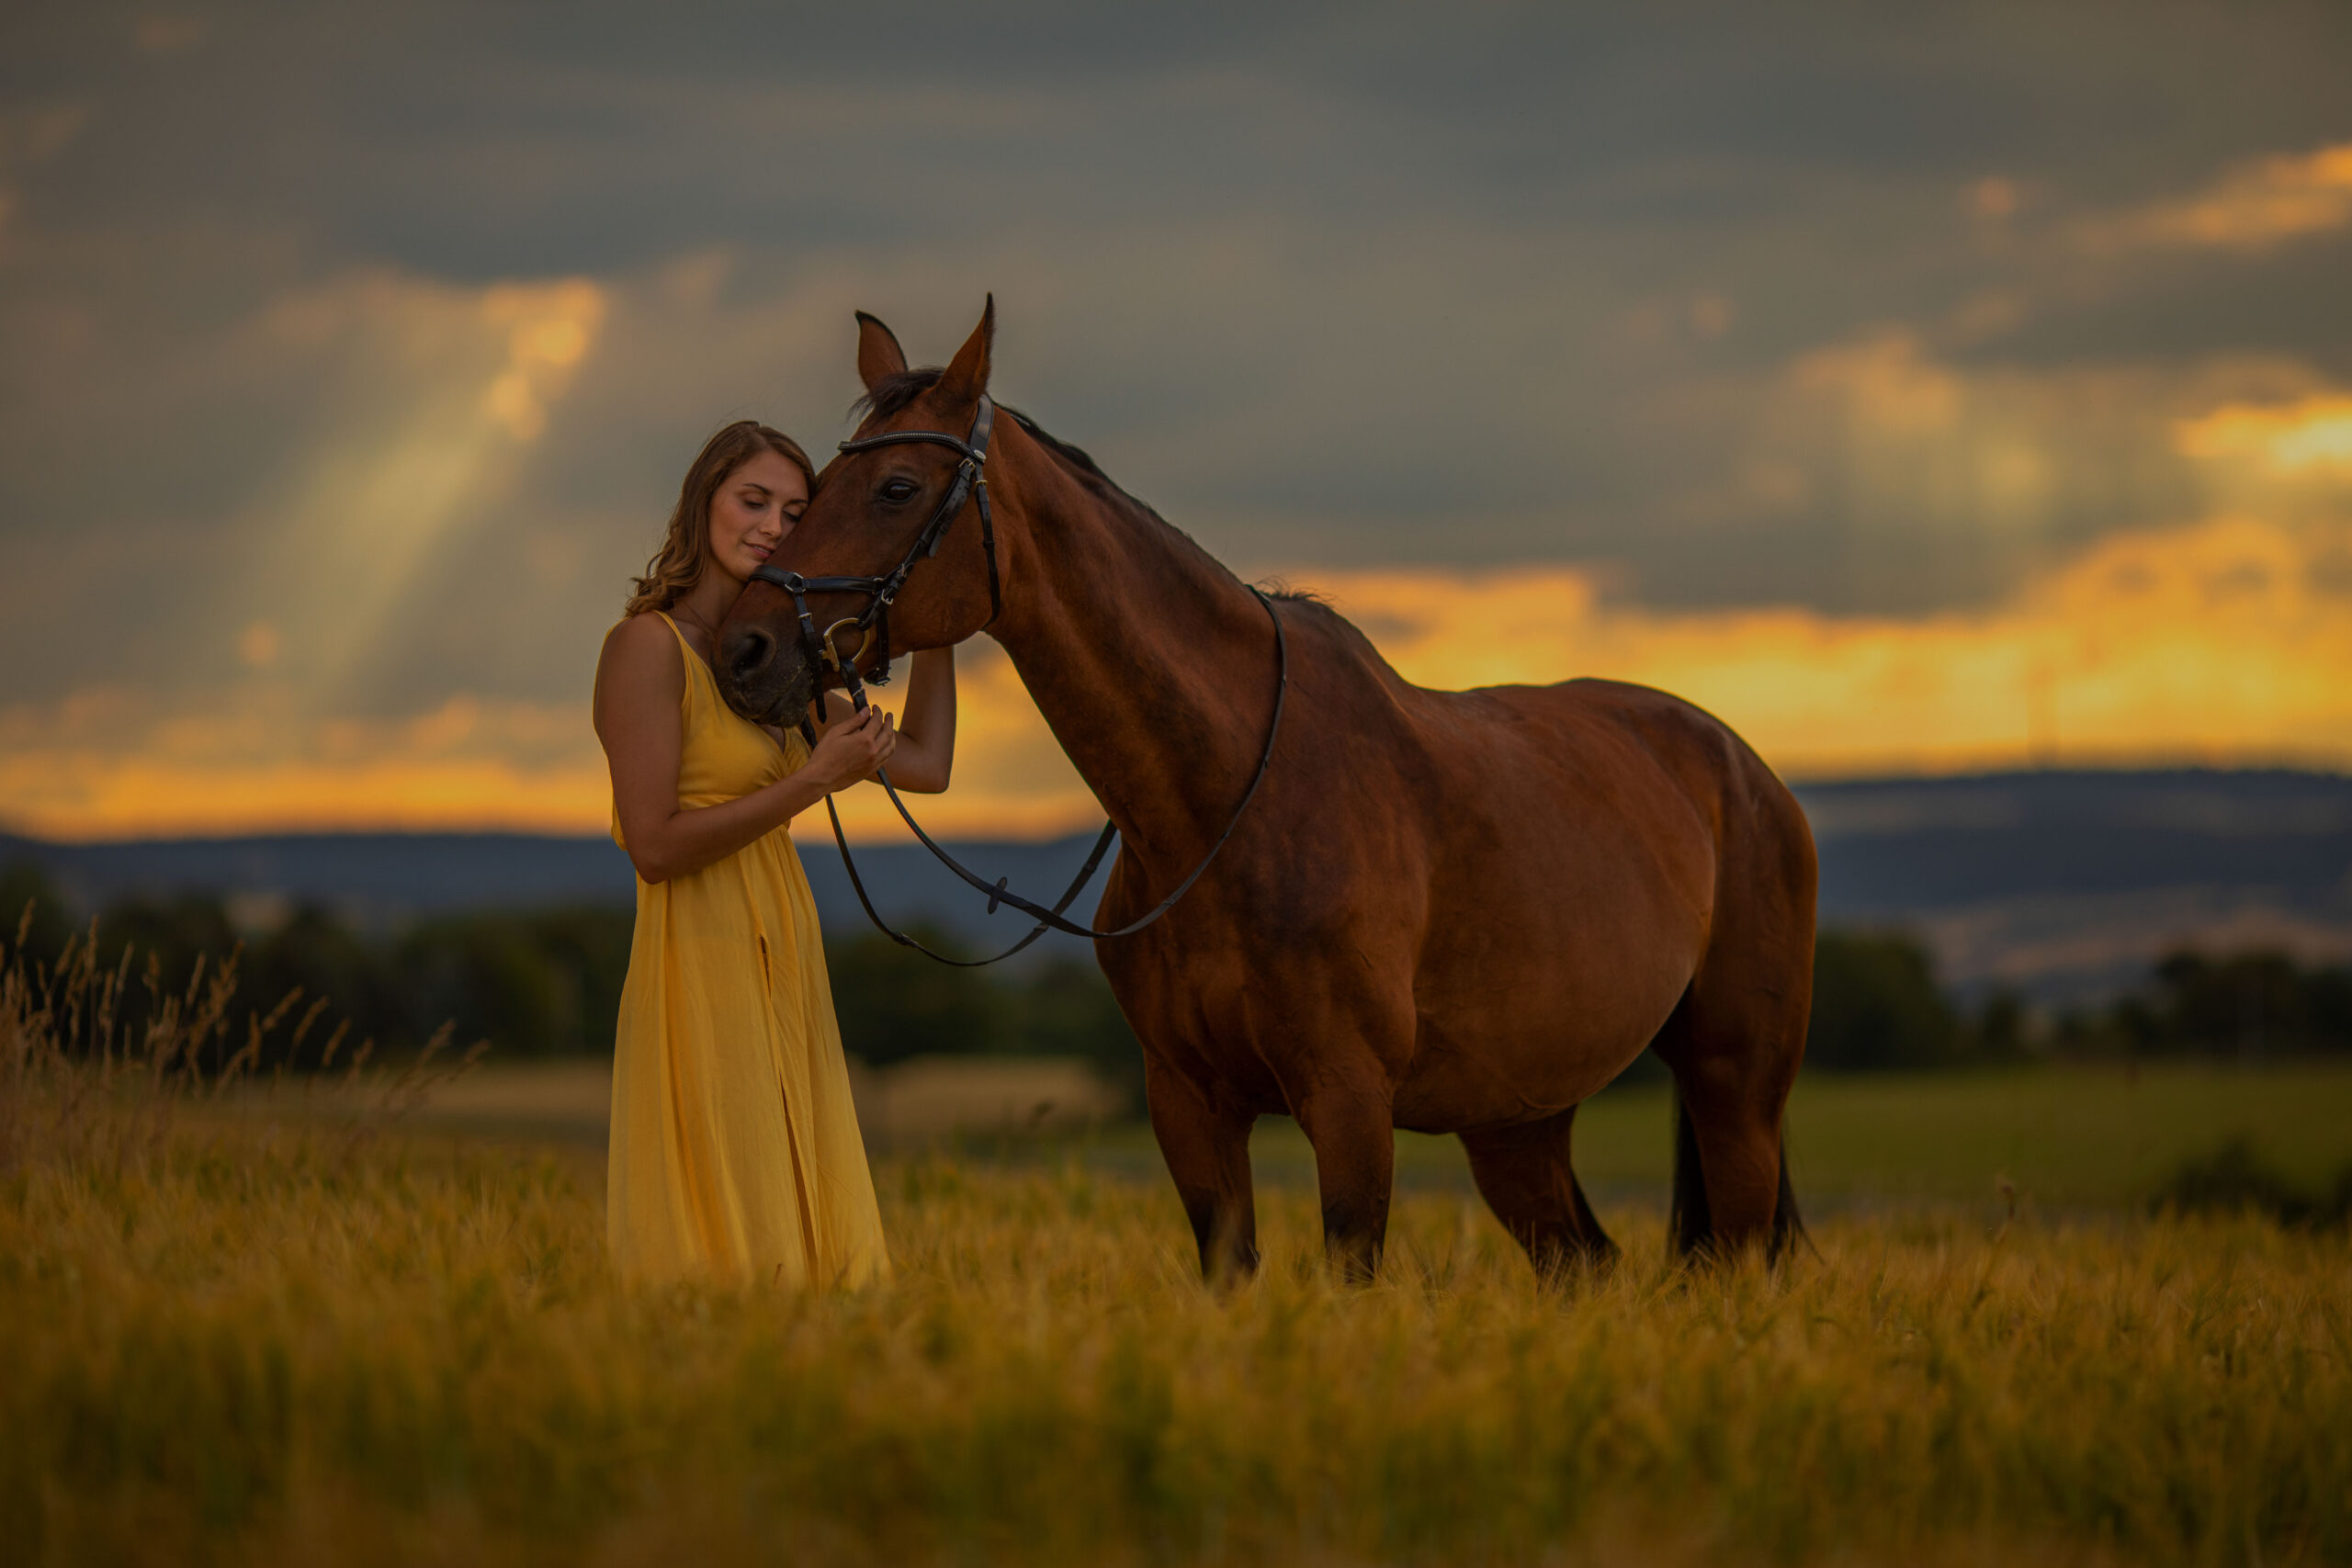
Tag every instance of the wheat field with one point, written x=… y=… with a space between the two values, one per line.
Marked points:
x=238 y=1339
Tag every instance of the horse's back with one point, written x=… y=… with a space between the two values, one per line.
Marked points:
x=1705 y=758
x=1654 y=757
x=1492 y=766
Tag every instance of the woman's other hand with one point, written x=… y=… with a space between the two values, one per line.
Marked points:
x=852 y=749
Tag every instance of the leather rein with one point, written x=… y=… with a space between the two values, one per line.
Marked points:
x=873 y=622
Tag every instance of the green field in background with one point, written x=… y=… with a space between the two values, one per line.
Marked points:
x=2062 y=1137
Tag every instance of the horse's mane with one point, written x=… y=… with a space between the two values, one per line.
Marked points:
x=893 y=392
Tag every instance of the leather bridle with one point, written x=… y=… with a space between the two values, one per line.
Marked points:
x=969 y=484
x=971 y=480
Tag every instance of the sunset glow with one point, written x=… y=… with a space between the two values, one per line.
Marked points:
x=2226 y=643
x=2315 y=433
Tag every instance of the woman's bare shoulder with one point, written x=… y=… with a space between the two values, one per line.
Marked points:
x=642 y=636
x=640 y=649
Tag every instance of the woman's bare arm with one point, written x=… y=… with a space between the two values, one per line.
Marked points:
x=926 y=753
x=926 y=750
x=640 y=681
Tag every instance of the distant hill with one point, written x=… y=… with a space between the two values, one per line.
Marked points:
x=374 y=880
x=2065 y=884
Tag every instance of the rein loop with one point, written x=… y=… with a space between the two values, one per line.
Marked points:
x=1054 y=919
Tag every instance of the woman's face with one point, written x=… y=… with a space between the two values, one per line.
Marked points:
x=752 y=511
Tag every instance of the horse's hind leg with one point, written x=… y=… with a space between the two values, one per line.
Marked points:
x=1733 y=1050
x=1523 y=1173
x=1736 y=1039
x=1207 y=1145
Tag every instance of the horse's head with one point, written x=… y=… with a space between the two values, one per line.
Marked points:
x=867 y=518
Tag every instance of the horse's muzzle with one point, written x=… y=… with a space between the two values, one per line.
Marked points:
x=764 y=677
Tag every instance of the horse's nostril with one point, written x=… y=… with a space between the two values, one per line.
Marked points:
x=748 y=651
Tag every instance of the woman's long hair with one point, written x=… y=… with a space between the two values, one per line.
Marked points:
x=678 y=565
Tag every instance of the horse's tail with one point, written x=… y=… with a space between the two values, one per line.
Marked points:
x=1788 y=1225
x=1688 y=1230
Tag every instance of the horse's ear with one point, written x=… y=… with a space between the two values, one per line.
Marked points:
x=968 y=376
x=878 y=353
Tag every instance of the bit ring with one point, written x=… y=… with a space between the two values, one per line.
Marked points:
x=834 y=652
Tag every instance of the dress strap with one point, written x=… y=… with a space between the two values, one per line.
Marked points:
x=701 y=676
x=684 y=646
x=698 y=673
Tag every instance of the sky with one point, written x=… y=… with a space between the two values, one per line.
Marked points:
x=1922 y=389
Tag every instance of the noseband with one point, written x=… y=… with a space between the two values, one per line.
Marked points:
x=873 y=621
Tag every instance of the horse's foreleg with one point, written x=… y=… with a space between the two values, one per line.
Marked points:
x=1206 y=1146
x=1354 y=1135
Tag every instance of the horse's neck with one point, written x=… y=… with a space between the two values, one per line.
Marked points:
x=1153 y=666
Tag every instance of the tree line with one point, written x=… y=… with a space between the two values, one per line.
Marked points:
x=546 y=982
x=1876 y=1004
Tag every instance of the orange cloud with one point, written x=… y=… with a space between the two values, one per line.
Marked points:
x=2225 y=642
x=2312 y=433
x=2253 y=207
x=551 y=329
x=109 y=763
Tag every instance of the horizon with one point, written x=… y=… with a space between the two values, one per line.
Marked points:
x=2060 y=884
x=811 y=831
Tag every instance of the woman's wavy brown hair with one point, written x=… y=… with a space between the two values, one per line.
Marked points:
x=678 y=565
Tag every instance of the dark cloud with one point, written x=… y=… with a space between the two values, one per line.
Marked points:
x=1346 y=285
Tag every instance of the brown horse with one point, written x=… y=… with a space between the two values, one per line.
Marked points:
x=1448 y=911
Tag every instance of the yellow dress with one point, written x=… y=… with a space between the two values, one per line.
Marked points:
x=735 y=1151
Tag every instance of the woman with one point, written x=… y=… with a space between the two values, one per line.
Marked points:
x=735 y=1150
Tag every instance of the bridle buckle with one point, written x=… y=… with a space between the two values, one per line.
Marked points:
x=833 y=648
x=971 y=482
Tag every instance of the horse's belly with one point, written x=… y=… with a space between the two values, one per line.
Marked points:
x=1477 y=1068
x=1518 y=1033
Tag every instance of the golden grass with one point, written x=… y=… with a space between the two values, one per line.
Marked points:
x=229 y=1340
x=247 y=1344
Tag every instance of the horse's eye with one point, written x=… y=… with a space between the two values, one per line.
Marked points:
x=898 y=489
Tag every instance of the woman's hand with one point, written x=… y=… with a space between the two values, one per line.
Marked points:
x=852 y=748
x=920 y=755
